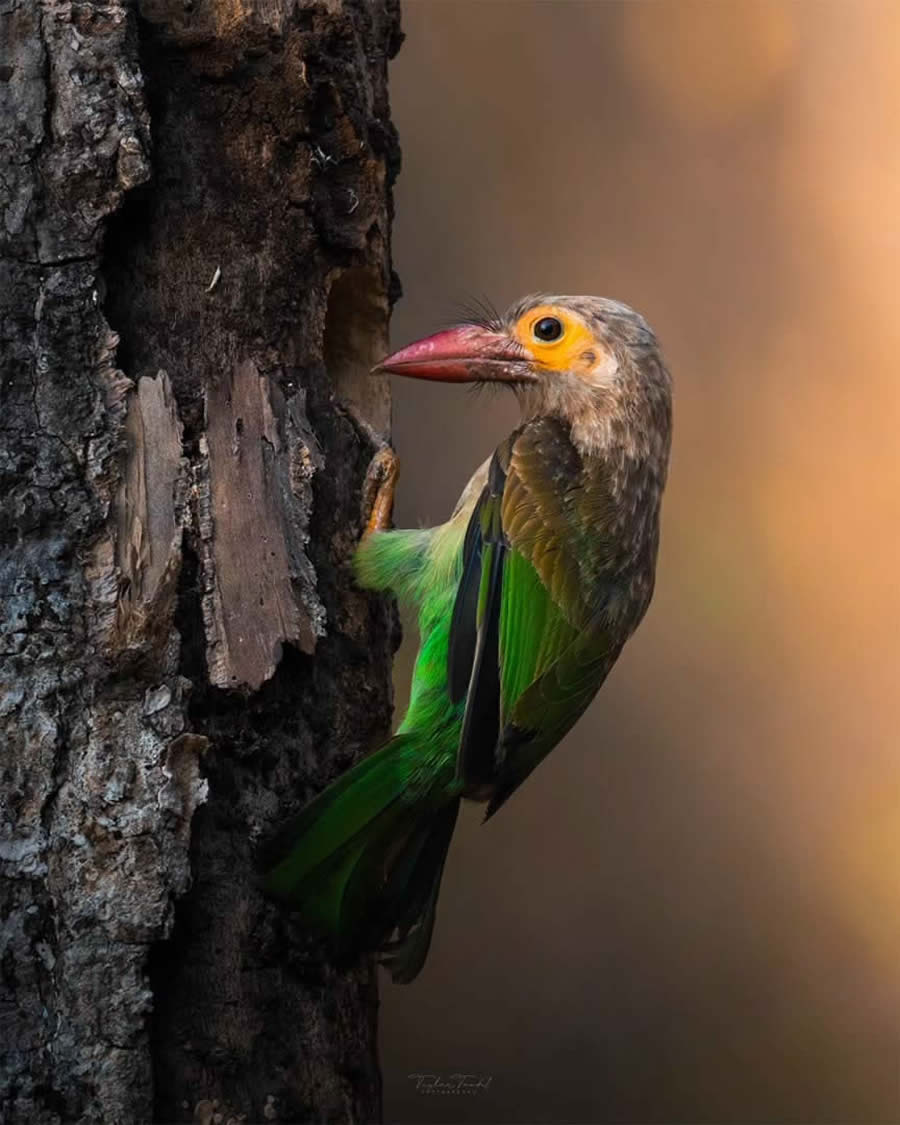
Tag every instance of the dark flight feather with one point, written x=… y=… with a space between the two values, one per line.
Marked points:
x=476 y=758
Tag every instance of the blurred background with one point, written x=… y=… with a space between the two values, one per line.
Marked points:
x=691 y=912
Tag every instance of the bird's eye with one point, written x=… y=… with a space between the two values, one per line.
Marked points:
x=548 y=329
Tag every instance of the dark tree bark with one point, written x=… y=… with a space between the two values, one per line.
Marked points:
x=194 y=280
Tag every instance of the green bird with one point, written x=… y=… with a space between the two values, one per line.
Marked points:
x=525 y=597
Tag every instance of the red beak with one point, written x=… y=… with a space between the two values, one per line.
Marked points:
x=466 y=354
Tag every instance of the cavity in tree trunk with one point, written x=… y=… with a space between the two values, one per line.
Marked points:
x=194 y=281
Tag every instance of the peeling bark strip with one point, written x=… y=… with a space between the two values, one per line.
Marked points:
x=254 y=516
x=186 y=322
x=149 y=517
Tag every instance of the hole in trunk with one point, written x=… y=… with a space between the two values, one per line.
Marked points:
x=355 y=339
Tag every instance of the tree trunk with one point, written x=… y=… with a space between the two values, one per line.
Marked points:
x=195 y=280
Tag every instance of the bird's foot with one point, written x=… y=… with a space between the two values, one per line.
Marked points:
x=378 y=490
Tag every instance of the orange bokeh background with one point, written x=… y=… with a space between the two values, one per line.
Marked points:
x=691 y=913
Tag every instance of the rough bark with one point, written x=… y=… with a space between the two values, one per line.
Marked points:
x=194 y=278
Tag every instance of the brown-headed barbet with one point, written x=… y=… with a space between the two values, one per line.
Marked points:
x=525 y=598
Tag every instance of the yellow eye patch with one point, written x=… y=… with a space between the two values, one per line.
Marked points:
x=557 y=339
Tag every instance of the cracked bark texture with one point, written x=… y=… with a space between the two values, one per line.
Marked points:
x=194 y=279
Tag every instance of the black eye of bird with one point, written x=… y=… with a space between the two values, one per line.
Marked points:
x=548 y=329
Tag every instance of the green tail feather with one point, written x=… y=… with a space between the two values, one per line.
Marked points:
x=362 y=861
x=412 y=892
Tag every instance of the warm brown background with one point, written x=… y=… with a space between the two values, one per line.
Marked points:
x=691 y=913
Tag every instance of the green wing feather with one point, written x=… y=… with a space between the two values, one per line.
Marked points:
x=556 y=640
x=534 y=630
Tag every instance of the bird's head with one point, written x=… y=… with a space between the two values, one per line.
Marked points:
x=581 y=357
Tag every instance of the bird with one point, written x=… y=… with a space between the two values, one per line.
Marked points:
x=525 y=597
